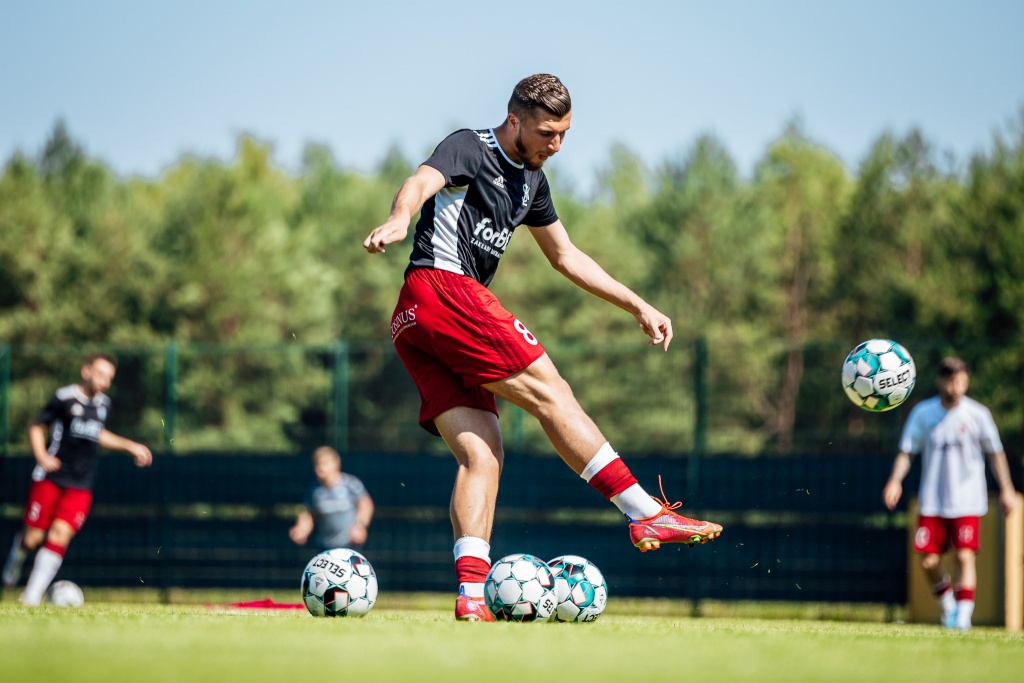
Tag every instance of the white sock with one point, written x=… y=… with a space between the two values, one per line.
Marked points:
x=45 y=568
x=948 y=602
x=636 y=503
x=600 y=460
x=12 y=567
x=964 y=612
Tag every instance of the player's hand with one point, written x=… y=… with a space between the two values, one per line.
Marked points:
x=298 y=536
x=141 y=455
x=891 y=494
x=49 y=463
x=391 y=231
x=1008 y=501
x=357 y=534
x=655 y=325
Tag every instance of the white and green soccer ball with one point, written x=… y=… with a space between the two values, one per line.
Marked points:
x=339 y=583
x=520 y=587
x=65 y=594
x=878 y=375
x=580 y=589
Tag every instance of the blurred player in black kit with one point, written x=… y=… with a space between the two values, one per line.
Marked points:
x=61 y=492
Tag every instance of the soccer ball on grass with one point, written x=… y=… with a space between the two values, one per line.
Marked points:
x=520 y=587
x=878 y=375
x=339 y=583
x=580 y=589
x=65 y=594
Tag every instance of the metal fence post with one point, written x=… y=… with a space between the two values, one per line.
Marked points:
x=339 y=424
x=170 y=392
x=5 y=390
x=700 y=416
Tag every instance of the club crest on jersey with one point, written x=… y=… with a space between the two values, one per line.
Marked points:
x=499 y=182
x=77 y=409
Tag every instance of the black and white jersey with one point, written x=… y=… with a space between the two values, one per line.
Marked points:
x=466 y=226
x=75 y=422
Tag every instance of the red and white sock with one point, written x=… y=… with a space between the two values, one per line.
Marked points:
x=472 y=562
x=609 y=475
x=964 y=606
x=48 y=561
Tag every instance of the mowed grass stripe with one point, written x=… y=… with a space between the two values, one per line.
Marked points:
x=152 y=642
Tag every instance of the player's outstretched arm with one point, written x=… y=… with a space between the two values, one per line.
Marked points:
x=140 y=454
x=1001 y=470
x=584 y=272
x=894 y=487
x=303 y=527
x=414 y=192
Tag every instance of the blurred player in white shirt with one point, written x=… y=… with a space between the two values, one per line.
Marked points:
x=953 y=434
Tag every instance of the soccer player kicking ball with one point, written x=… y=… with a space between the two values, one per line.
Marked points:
x=953 y=433
x=463 y=348
x=61 y=492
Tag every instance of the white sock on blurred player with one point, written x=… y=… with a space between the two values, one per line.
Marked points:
x=964 y=612
x=45 y=568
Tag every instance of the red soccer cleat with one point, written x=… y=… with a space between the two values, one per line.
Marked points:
x=471 y=609
x=669 y=527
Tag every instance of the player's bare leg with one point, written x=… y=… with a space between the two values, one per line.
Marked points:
x=25 y=542
x=474 y=438
x=542 y=392
x=941 y=587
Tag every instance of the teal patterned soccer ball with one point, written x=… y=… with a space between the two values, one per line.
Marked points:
x=520 y=587
x=878 y=375
x=580 y=589
x=339 y=583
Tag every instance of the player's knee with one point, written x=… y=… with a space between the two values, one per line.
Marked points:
x=60 y=534
x=32 y=538
x=930 y=562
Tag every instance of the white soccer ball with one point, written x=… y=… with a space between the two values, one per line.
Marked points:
x=65 y=594
x=580 y=589
x=339 y=583
x=520 y=587
x=878 y=375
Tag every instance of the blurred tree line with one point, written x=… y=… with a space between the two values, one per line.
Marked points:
x=776 y=276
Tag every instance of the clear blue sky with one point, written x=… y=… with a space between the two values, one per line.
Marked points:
x=141 y=83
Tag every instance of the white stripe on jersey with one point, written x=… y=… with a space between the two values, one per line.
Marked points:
x=56 y=434
x=491 y=141
x=445 y=240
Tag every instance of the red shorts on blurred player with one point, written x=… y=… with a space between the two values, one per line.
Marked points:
x=935 y=534
x=47 y=502
x=453 y=335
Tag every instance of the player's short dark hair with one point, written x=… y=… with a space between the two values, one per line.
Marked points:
x=91 y=358
x=952 y=365
x=540 y=91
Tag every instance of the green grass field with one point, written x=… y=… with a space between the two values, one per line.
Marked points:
x=414 y=638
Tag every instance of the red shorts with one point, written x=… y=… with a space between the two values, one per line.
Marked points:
x=47 y=502
x=935 y=534
x=453 y=335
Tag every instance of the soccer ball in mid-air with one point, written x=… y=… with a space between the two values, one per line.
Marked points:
x=339 y=583
x=65 y=594
x=878 y=375
x=520 y=587
x=580 y=589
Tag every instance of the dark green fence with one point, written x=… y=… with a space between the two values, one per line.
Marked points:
x=796 y=528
